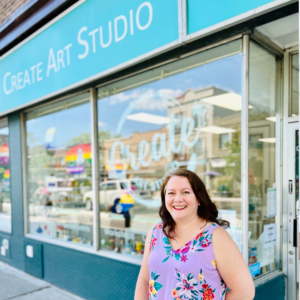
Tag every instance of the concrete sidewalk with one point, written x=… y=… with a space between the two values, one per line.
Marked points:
x=18 y=285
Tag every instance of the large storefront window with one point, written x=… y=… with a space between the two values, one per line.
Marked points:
x=59 y=170
x=264 y=113
x=185 y=114
x=5 y=199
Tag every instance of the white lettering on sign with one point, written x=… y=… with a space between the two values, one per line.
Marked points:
x=103 y=45
x=120 y=24
x=117 y=37
x=6 y=91
x=92 y=33
x=12 y=83
x=83 y=42
x=138 y=24
x=59 y=59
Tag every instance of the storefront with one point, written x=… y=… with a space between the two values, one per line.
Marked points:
x=100 y=104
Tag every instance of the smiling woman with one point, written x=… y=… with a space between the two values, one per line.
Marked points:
x=190 y=242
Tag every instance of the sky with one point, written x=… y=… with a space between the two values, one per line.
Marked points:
x=224 y=73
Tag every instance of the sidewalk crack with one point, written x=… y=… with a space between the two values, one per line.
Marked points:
x=46 y=287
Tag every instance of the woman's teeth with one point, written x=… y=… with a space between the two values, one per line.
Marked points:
x=179 y=207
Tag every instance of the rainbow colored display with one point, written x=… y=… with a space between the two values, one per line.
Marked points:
x=4 y=155
x=77 y=158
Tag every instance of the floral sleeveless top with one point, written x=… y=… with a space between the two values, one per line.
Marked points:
x=187 y=273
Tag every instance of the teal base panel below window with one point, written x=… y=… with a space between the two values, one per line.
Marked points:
x=273 y=289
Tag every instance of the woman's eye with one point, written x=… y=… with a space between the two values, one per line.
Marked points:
x=171 y=194
x=186 y=192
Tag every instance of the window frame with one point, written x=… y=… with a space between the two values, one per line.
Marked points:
x=95 y=162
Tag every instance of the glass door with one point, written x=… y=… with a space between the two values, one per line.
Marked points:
x=293 y=211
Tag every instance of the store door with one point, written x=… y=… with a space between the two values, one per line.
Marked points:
x=293 y=211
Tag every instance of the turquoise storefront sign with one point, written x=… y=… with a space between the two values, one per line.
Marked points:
x=95 y=38
x=91 y=40
x=203 y=14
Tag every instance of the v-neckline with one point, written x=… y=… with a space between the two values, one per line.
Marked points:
x=188 y=241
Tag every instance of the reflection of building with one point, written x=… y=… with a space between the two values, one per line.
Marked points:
x=212 y=123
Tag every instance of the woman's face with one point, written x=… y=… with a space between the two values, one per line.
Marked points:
x=180 y=199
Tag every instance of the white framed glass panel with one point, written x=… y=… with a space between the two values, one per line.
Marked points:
x=59 y=171
x=264 y=114
x=167 y=118
x=5 y=197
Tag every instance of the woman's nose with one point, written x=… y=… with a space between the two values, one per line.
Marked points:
x=178 y=197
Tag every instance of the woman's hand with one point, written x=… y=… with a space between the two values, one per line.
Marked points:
x=232 y=267
x=142 y=285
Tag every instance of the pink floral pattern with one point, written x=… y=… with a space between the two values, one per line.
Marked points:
x=202 y=241
x=152 y=242
x=189 y=288
x=188 y=283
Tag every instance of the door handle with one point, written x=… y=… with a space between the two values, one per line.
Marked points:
x=295 y=232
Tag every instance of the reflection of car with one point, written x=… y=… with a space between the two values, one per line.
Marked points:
x=112 y=191
x=63 y=192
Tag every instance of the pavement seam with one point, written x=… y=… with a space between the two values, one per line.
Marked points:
x=39 y=289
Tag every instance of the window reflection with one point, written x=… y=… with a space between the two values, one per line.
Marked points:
x=263 y=115
x=5 y=198
x=295 y=85
x=173 y=122
x=59 y=171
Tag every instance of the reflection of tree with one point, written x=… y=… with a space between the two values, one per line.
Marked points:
x=233 y=158
x=38 y=158
x=104 y=135
x=83 y=138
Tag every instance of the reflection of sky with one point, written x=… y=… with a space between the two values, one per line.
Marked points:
x=223 y=74
x=4 y=131
x=69 y=123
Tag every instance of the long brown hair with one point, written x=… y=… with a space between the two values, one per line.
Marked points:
x=207 y=210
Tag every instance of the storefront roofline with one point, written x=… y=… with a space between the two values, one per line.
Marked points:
x=167 y=54
x=27 y=19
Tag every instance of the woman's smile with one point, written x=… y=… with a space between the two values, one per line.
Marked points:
x=177 y=207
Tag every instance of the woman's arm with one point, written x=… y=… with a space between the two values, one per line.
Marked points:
x=142 y=285
x=232 y=267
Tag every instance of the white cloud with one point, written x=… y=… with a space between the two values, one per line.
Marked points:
x=101 y=124
x=152 y=98
x=122 y=97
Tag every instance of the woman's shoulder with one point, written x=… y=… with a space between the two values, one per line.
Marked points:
x=211 y=225
x=222 y=237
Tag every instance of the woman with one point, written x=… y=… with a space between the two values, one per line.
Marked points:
x=189 y=255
